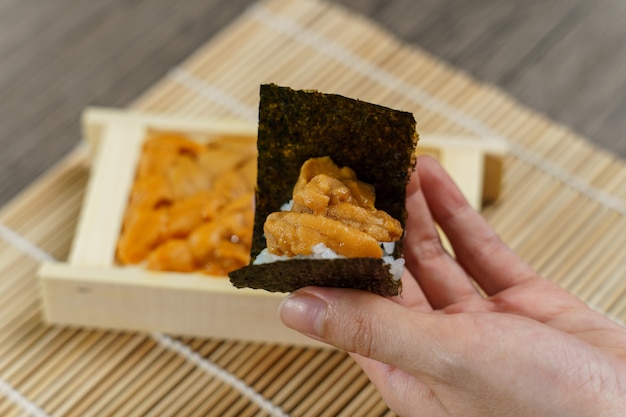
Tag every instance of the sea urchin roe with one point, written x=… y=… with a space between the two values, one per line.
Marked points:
x=291 y=234
x=330 y=206
x=191 y=205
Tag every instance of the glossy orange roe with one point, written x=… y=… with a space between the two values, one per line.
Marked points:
x=191 y=205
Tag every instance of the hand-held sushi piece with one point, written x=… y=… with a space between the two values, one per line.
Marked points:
x=330 y=207
x=343 y=166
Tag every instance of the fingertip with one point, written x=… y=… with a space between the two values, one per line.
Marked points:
x=427 y=163
x=422 y=158
x=441 y=192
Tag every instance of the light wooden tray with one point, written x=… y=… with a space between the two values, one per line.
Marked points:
x=92 y=290
x=562 y=208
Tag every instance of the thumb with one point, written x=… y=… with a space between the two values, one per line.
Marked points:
x=366 y=324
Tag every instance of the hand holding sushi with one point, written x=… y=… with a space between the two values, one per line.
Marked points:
x=517 y=346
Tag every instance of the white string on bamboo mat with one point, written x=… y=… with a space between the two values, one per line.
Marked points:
x=18 y=399
x=210 y=368
x=331 y=48
x=24 y=245
x=213 y=93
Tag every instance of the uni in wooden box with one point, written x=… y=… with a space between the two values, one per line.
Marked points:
x=95 y=289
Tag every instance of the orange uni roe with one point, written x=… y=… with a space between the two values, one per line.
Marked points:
x=330 y=206
x=191 y=205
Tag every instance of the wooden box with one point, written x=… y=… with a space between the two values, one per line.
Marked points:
x=92 y=290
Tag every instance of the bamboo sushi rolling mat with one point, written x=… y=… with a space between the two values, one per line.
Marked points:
x=562 y=208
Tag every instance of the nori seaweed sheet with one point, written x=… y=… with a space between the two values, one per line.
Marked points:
x=377 y=142
x=370 y=274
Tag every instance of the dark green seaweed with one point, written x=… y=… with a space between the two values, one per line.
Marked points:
x=377 y=142
x=370 y=274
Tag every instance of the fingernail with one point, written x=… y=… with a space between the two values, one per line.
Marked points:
x=303 y=312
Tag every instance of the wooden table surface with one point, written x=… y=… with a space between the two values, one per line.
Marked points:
x=564 y=58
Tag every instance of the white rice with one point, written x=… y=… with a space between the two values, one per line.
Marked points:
x=396 y=266
x=388 y=247
x=320 y=251
x=287 y=206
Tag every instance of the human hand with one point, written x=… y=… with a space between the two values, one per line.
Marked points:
x=524 y=347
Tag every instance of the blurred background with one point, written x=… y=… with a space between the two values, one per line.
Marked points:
x=564 y=58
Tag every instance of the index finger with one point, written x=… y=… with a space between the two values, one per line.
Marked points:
x=476 y=245
x=440 y=277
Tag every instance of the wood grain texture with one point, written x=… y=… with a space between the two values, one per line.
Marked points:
x=58 y=57
x=565 y=58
